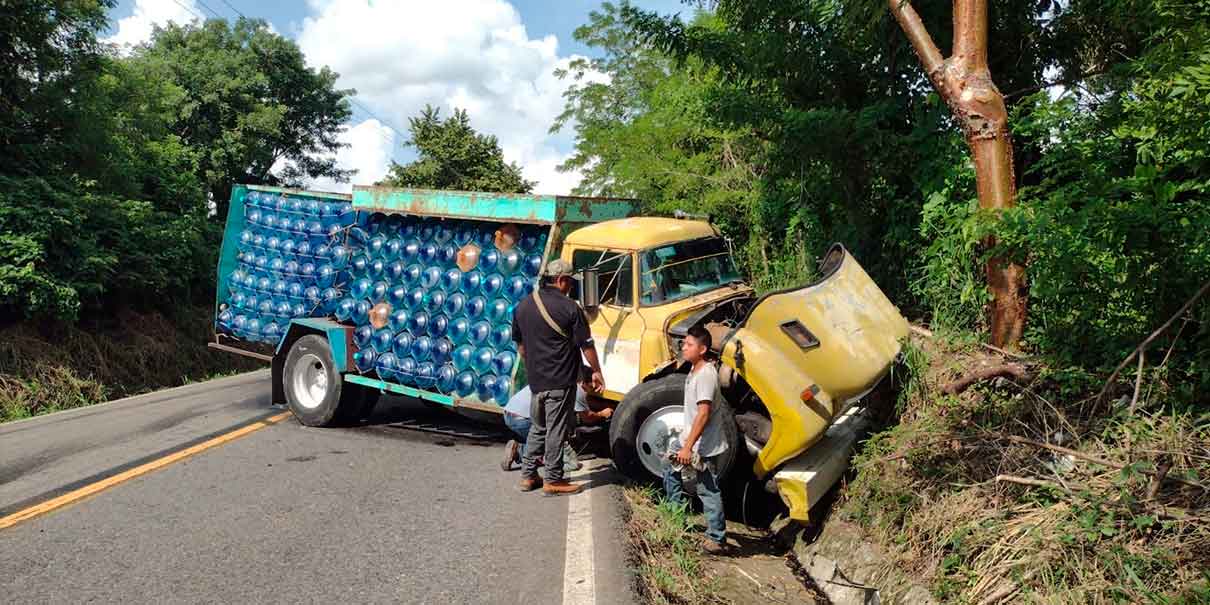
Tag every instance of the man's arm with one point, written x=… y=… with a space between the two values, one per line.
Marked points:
x=685 y=456
x=591 y=417
x=583 y=338
x=598 y=380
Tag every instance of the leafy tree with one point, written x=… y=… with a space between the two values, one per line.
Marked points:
x=251 y=107
x=453 y=156
x=47 y=48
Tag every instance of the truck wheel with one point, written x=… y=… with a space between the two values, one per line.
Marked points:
x=315 y=391
x=639 y=431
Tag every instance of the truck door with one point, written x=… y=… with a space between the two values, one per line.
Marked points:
x=616 y=327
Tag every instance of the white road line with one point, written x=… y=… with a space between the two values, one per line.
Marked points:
x=579 y=573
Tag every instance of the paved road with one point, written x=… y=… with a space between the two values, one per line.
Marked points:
x=285 y=514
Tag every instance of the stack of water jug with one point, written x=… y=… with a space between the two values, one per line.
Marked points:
x=431 y=299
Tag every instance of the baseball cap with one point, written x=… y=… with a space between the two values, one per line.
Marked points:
x=559 y=268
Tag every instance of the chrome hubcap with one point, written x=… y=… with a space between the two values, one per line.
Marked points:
x=310 y=381
x=654 y=434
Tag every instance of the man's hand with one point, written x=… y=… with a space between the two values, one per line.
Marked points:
x=685 y=456
x=598 y=382
x=605 y=413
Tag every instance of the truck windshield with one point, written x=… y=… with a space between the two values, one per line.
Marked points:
x=680 y=270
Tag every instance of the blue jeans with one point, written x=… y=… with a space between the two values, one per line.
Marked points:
x=520 y=426
x=709 y=493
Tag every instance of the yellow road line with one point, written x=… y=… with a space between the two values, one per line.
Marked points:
x=143 y=469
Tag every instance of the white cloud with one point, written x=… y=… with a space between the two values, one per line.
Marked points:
x=470 y=54
x=136 y=28
x=369 y=153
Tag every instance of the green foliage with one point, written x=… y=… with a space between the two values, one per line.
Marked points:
x=249 y=104
x=112 y=162
x=453 y=156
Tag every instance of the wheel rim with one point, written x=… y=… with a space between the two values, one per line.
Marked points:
x=655 y=433
x=310 y=381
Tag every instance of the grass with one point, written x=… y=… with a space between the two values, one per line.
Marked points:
x=667 y=549
x=1091 y=527
x=46 y=368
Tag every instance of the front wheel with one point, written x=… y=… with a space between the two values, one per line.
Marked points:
x=643 y=424
x=315 y=391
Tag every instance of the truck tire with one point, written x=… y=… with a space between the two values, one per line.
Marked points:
x=637 y=445
x=315 y=390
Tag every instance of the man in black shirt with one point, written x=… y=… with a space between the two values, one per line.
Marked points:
x=551 y=333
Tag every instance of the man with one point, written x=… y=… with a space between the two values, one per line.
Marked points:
x=552 y=337
x=703 y=444
x=516 y=418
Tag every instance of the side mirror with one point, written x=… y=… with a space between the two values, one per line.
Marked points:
x=590 y=295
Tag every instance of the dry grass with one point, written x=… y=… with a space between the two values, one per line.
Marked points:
x=967 y=494
x=667 y=551
x=46 y=368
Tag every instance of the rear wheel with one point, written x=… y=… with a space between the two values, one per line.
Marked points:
x=315 y=390
x=642 y=427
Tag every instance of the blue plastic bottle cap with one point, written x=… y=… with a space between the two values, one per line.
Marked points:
x=465 y=383
x=446 y=375
x=361 y=311
x=437 y=325
x=361 y=288
x=376 y=268
x=461 y=357
x=392 y=248
x=407 y=370
x=497 y=311
x=387 y=366
x=362 y=336
x=397 y=295
x=364 y=360
x=481 y=361
x=402 y=343
x=430 y=278
x=383 y=340
x=344 y=310
x=502 y=335
x=378 y=292
x=458 y=329
x=502 y=363
x=492 y=284
x=475 y=307
x=419 y=322
x=487 y=387
x=435 y=302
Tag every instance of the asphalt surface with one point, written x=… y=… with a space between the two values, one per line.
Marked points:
x=368 y=514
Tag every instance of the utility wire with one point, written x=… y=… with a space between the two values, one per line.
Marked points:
x=212 y=11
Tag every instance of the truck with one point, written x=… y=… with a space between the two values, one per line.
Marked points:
x=411 y=292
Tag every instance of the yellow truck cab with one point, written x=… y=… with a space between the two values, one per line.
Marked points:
x=792 y=362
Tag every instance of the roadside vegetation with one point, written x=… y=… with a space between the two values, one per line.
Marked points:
x=78 y=365
x=798 y=124
x=1028 y=488
x=667 y=550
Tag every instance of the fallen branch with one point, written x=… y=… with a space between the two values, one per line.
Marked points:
x=1167 y=512
x=1101 y=461
x=1147 y=342
x=1014 y=370
x=927 y=333
x=1029 y=481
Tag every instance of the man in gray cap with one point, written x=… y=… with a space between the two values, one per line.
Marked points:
x=552 y=333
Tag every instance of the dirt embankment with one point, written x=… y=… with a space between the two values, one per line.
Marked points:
x=46 y=366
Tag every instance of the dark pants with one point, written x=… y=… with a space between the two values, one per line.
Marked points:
x=551 y=414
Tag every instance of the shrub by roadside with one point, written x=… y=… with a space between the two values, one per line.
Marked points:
x=1033 y=491
x=49 y=367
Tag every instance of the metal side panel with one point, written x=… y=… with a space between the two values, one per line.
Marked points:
x=340 y=339
x=230 y=247
x=502 y=207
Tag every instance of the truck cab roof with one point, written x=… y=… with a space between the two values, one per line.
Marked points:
x=639 y=233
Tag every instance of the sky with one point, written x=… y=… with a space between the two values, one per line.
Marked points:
x=493 y=58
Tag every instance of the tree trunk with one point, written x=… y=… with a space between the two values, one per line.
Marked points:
x=965 y=83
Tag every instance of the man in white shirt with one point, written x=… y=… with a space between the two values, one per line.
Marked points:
x=517 y=419
x=701 y=440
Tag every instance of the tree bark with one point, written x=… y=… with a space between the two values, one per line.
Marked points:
x=965 y=83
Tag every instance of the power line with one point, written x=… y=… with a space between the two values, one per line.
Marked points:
x=237 y=11
x=193 y=12
x=212 y=11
